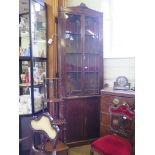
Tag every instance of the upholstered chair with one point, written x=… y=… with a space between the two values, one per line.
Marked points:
x=43 y=125
x=120 y=137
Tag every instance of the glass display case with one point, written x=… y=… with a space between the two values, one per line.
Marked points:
x=81 y=51
x=32 y=55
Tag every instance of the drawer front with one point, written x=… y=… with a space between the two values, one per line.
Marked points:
x=107 y=100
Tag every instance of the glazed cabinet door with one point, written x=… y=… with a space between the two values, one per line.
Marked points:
x=92 y=54
x=72 y=54
x=80 y=51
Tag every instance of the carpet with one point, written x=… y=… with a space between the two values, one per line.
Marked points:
x=81 y=150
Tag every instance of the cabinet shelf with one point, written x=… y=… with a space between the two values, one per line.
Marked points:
x=40 y=41
x=72 y=33
x=28 y=58
x=91 y=53
x=73 y=71
x=25 y=84
x=92 y=35
x=53 y=100
x=38 y=85
x=39 y=58
x=73 y=52
x=24 y=58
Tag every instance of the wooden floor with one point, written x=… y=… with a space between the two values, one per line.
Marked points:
x=81 y=150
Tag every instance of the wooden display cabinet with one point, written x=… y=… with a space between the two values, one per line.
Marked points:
x=80 y=65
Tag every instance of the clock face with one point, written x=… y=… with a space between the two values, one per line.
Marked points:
x=122 y=81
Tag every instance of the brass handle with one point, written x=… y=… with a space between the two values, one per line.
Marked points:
x=116 y=101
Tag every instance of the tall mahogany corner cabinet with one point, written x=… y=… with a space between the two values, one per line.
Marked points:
x=80 y=65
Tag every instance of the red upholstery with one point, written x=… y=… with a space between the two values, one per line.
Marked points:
x=123 y=110
x=112 y=145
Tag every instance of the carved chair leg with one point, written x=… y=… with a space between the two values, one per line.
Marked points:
x=31 y=152
x=54 y=152
x=91 y=151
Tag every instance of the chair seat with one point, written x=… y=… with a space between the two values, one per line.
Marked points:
x=112 y=145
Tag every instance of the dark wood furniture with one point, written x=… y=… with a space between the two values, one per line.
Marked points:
x=82 y=117
x=33 y=64
x=114 y=97
x=108 y=97
x=56 y=104
x=48 y=132
x=80 y=65
x=121 y=127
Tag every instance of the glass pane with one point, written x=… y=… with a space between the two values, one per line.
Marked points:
x=91 y=26
x=92 y=82
x=73 y=85
x=73 y=62
x=24 y=38
x=91 y=44
x=73 y=23
x=25 y=73
x=38 y=29
x=25 y=88
x=91 y=35
x=25 y=101
x=72 y=43
x=39 y=72
x=91 y=62
x=38 y=98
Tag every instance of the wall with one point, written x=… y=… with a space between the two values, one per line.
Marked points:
x=114 y=67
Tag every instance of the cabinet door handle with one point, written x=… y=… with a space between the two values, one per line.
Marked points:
x=116 y=101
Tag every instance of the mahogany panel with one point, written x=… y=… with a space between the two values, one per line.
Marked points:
x=74 y=118
x=83 y=118
x=91 y=118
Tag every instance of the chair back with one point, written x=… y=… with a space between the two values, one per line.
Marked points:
x=122 y=120
x=47 y=130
